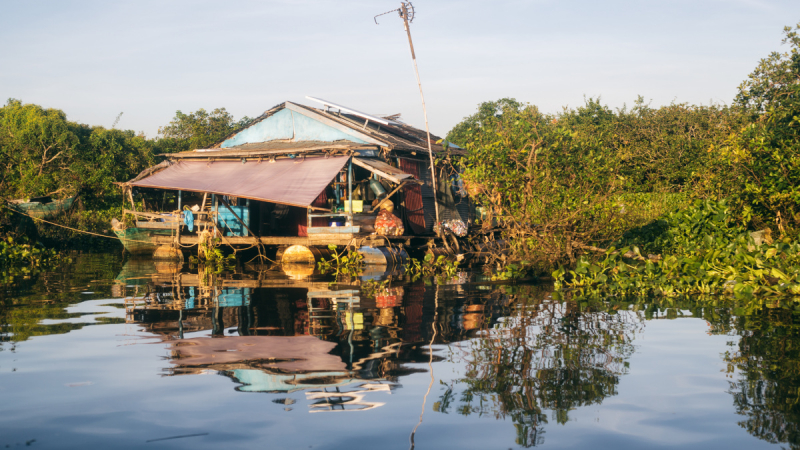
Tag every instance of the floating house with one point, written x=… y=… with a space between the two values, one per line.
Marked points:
x=297 y=179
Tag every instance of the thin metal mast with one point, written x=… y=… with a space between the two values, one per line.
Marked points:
x=404 y=14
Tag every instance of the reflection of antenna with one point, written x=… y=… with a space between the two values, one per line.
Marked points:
x=430 y=363
x=407 y=13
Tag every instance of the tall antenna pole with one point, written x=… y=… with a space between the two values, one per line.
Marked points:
x=404 y=15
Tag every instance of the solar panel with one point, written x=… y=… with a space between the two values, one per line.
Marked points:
x=354 y=112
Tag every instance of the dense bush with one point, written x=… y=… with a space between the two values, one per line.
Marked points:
x=551 y=184
x=562 y=183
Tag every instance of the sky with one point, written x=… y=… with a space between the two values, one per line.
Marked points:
x=94 y=59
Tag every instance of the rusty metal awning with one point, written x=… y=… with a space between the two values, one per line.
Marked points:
x=295 y=182
x=382 y=169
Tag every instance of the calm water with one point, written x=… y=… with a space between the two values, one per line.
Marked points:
x=106 y=353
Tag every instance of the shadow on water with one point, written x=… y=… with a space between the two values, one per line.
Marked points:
x=522 y=355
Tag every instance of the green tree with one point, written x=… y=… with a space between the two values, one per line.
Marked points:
x=773 y=87
x=549 y=179
x=199 y=129
x=464 y=131
x=759 y=165
x=111 y=156
x=44 y=153
x=37 y=148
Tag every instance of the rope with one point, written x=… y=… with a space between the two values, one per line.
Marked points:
x=75 y=229
x=236 y=250
x=257 y=244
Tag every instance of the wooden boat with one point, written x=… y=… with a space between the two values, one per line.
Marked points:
x=42 y=207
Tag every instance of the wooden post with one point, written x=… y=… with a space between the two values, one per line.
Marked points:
x=130 y=196
x=180 y=324
x=350 y=190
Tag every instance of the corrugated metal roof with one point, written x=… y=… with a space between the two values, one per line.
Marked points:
x=397 y=136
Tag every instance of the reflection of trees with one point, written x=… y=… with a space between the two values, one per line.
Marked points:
x=24 y=305
x=547 y=356
x=767 y=390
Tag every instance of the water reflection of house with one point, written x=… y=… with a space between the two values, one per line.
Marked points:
x=274 y=334
x=265 y=304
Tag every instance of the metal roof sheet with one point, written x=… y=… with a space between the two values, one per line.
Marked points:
x=296 y=182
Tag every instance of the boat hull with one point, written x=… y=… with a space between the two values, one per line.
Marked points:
x=140 y=241
x=45 y=210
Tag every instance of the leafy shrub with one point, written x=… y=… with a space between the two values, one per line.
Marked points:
x=705 y=252
x=758 y=166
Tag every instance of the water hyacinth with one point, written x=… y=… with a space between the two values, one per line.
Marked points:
x=20 y=258
x=702 y=252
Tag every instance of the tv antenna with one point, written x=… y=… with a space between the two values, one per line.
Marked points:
x=410 y=9
x=407 y=13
